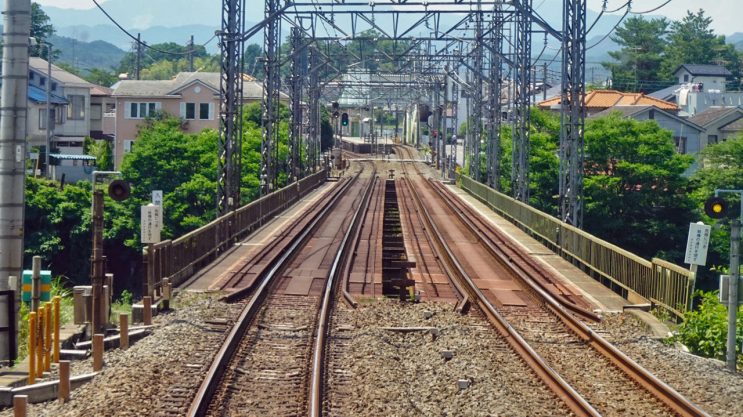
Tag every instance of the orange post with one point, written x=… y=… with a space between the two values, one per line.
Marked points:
x=48 y=337
x=31 y=347
x=40 y=343
x=57 y=300
x=97 y=352
x=20 y=403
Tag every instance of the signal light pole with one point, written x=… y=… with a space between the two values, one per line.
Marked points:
x=716 y=208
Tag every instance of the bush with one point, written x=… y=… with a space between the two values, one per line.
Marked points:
x=704 y=331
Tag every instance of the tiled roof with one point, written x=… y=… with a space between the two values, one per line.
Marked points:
x=629 y=111
x=702 y=69
x=666 y=93
x=252 y=89
x=98 y=90
x=711 y=114
x=64 y=77
x=603 y=99
x=735 y=126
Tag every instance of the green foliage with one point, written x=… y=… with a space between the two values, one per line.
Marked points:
x=635 y=192
x=101 y=149
x=704 y=331
x=722 y=168
x=41 y=30
x=643 y=43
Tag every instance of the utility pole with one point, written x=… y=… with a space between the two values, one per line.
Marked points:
x=13 y=114
x=190 y=55
x=49 y=118
x=138 y=63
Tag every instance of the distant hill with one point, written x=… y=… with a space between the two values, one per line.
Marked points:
x=87 y=55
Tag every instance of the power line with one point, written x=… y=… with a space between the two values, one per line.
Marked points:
x=621 y=19
x=652 y=10
x=190 y=51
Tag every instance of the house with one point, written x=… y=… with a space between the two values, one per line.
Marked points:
x=76 y=109
x=597 y=101
x=192 y=96
x=719 y=123
x=699 y=88
x=687 y=135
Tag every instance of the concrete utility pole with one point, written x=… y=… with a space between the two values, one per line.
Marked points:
x=49 y=118
x=190 y=54
x=13 y=109
x=138 y=58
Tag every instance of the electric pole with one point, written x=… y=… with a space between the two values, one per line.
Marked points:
x=190 y=55
x=13 y=114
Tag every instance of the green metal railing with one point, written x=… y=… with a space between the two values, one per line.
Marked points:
x=179 y=259
x=663 y=283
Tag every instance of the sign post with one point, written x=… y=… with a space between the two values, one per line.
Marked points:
x=150 y=227
x=157 y=197
x=696 y=252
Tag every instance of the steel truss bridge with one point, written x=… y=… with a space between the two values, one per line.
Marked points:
x=403 y=53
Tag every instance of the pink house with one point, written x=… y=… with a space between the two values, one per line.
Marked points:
x=192 y=96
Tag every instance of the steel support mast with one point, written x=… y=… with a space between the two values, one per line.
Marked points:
x=522 y=102
x=494 y=103
x=271 y=85
x=230 y=127
x=298 y=66
x=572 y=111
x=476 y=96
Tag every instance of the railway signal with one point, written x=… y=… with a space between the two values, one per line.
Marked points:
x=344 y=119
x=716 y=207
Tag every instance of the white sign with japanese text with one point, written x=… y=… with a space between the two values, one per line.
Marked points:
x=157 y=197
x=151 y=223
x=697 y=244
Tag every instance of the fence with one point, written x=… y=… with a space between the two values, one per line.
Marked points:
x=179 y=259
x=659 y=281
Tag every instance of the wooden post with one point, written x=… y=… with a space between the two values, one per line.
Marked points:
x=97 y=352
x=151 y=270
x=48 y=337
x=31 y=347
x=57 y=300
x=36 y=283
x=147 y=313
x=166 y=293
x=19 y=405
x=123 y=331
x=63 y=394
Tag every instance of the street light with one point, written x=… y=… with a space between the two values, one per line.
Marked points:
x=49 y=118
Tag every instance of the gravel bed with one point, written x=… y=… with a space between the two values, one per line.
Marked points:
x=706 y=382
x=384 y=373
x=133 y=382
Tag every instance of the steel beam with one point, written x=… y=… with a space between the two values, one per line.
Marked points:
x=521 y=103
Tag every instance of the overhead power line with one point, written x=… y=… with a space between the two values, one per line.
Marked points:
x=143 y=43
x=628 y=5
x=654 y=9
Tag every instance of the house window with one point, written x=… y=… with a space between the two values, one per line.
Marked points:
x=31 y=75
x=141 y=110
x=680 y=142
x=54 y=86
x=711 y=139
x=76 y=108
x=57 y=116
x=42 y=81
x=651 y=114
x=190 y=111
x=204 y=111
x=686 y=78
x=95 y=112
x=128 y=145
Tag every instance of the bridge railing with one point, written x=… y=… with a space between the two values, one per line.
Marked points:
x=179 y=259
x=663 y=283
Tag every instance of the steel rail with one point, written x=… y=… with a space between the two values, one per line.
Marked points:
x=316 y=377
x=562 y=389
x=535 y=285
x=356 y=239
x=659 y=389
x=206 y=390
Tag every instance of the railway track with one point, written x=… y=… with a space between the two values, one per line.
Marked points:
x=272 y=362
x=593 y=377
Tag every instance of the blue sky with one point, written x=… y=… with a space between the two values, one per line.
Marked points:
x=725 y=13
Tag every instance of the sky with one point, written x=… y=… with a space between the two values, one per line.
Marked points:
x=725 y=13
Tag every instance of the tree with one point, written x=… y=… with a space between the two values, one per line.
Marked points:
x=101 y=77
x=41 y=31
x=634 y=189
x=643 y=45
x=253 y=64
x=692 y=41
